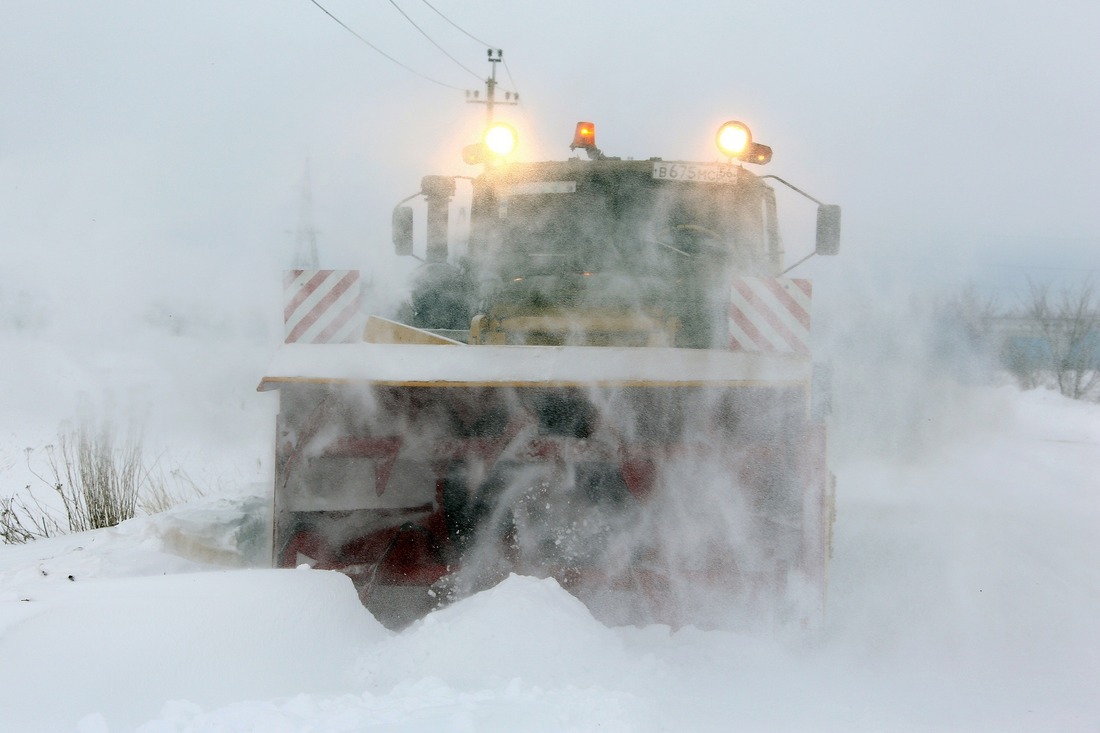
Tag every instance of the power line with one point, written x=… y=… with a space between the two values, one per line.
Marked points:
x=444 y=17
x=432 y=40
x=391 y=58
x=471 y=36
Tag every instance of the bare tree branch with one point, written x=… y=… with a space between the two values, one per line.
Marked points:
x=1069 y=327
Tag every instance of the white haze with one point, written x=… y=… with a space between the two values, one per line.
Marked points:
x=151 y=168
x=964 y=597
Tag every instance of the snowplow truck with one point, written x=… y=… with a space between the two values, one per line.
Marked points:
x=603 y=379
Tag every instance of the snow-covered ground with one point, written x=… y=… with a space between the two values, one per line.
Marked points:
x=159 y=166
x=965 y=596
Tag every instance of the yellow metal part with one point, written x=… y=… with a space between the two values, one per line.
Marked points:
x=385 y=331
x=588 y=328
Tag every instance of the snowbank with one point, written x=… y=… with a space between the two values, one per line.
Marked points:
x=124 y=647
x=964 y=596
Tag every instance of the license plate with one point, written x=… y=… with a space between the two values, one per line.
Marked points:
x=695 y=172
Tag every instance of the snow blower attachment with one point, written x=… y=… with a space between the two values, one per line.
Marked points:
x=610 y=387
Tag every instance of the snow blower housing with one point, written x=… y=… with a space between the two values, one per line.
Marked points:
x=614 y=357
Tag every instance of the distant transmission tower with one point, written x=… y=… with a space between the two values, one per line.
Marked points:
x=305 y=237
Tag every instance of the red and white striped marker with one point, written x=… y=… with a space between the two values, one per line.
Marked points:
x=770 y=315
x=322 y=306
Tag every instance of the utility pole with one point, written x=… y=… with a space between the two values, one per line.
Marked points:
x=474 y=97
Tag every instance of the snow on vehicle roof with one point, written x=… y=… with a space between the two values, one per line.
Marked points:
x=460 y=366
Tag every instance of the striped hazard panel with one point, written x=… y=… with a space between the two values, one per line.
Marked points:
x=770 y=314
x=322 y=306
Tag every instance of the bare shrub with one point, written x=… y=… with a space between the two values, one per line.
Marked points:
x=1068 y=326
x=162 y=494
x=99 y=480
x=1025 y=361
x=962 y=340
x=26 y=519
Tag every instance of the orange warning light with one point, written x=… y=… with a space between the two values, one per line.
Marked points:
x=585 y=136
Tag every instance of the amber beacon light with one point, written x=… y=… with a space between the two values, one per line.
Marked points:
x=584 y=137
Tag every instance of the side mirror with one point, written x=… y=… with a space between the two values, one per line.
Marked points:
x=828 y=229
x=403 y=230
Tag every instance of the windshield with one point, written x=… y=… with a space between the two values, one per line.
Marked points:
x=623 y=223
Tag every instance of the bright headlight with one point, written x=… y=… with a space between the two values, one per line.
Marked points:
x=500 y=139
x=734 y=139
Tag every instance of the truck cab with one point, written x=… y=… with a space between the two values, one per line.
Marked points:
x=597 y=252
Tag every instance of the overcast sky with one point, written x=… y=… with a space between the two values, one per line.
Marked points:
x=153 y=149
